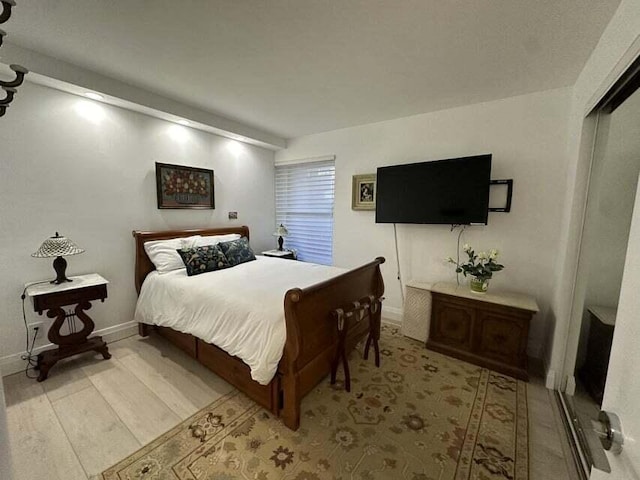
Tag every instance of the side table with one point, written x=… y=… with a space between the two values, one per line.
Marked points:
x=286 y=254
x=489 y=329
x=79 y=292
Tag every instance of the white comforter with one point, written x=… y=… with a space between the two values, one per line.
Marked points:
x=239 y=309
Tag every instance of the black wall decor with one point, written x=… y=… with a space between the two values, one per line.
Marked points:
x=10 y=86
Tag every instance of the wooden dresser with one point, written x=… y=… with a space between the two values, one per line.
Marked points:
x=490 y=330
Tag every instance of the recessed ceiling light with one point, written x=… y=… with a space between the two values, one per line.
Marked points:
x=183 y=122
x=94 y=96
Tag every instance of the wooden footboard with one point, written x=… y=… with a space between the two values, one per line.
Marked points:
x=312 y=334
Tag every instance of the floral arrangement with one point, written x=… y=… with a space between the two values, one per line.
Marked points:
x=181 y=182
x=480 y=265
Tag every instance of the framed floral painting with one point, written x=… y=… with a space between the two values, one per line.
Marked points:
x=184 y=187
x=363 y=193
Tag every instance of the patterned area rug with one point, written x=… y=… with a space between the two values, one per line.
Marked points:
x=420 y=416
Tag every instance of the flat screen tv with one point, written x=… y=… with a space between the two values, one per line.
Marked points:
x=454 y=192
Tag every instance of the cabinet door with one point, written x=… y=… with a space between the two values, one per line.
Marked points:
x=452 y=324
x=503 y=337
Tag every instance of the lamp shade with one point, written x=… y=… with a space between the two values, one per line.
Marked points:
x=281 y=231
x=57 y=247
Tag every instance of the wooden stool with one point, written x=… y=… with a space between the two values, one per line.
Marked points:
x=357 y=311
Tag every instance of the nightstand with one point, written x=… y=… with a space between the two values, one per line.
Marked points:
x=287 y=254
x=81 y=291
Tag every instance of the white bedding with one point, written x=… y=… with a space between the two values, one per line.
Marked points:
x=239 y=309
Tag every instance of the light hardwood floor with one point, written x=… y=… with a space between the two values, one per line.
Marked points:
x=91 y=413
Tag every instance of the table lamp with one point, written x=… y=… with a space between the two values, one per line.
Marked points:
x=58 y=247
x=281 y=232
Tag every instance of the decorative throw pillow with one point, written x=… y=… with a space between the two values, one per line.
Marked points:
x=162 y=253
x=203 y=259
x=237 y=251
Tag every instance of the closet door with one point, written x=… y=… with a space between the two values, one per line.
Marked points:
x=622 y=390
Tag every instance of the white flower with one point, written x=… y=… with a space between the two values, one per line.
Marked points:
x=493 y=254
x=482 y=256
x=466 y=247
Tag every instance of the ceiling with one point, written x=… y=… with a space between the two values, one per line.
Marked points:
x=295 y=67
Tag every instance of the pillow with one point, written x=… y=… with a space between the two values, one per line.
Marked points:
x=163 y=253
x=214 y=239
x=237 y=251
x=203 y=259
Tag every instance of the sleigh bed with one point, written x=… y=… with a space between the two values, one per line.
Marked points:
x=311 y=329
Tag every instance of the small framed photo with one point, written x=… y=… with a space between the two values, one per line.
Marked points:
x=363 y=195
x=184 y=187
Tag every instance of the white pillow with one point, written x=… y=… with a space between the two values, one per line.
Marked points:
x=215 y=239
x=163 y=253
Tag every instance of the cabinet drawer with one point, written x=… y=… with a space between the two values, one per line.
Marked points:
x=452 y=324
x=184 y=341
x=237 y=373
x=502 y=337
x=69 y=297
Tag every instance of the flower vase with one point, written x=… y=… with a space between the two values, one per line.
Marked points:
x=479 y=285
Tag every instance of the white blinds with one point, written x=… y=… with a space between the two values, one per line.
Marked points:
x=304 y=204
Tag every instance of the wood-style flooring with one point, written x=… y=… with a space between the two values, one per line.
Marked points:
x=91 y=413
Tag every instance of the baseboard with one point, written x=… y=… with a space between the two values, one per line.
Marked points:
x=13 y=363
x=392 y=316
x=550 y=380
x=549 y=373
x=391 y=322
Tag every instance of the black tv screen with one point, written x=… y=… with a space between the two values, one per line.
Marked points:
x=454 y=191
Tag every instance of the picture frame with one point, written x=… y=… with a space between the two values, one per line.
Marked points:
x=180 y=187
x=363 y=192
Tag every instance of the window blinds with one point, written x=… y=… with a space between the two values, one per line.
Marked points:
x=305 y=194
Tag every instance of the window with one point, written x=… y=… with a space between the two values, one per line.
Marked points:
x=304 y=204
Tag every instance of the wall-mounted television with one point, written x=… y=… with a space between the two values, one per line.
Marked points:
x=454 y=192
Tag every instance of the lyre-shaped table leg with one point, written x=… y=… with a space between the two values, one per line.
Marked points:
x=71 y=344
x=7 y=5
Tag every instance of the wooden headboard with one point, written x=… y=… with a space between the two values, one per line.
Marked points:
x=144 y=265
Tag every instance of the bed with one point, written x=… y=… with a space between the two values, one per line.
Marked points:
x=309 y=333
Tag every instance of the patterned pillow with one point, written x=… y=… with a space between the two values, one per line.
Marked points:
x=237 y=251
x=203 y=259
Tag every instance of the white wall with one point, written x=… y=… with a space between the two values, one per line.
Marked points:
x=618 y=46
x=527 y=137
x=86 y=169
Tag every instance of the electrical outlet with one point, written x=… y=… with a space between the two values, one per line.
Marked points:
x=40 y=335
x=34 y=325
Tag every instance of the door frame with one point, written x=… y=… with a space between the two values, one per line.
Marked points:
x=620 y=84
x=629 y=61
